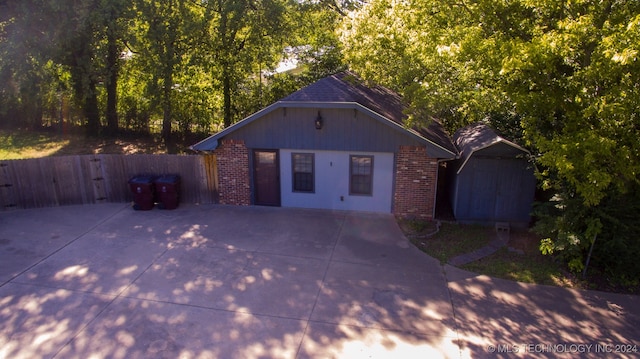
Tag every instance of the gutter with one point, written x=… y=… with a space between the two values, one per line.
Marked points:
x=215 y=145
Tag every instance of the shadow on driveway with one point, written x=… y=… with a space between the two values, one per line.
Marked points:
x=105 y=281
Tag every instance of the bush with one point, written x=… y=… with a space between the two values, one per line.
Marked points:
x=570 y=228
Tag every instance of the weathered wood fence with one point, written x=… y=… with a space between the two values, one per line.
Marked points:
x=87 y=179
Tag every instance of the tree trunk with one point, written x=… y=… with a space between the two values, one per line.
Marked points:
x=226 y=90
x=91 y=111
x=32 y=106
x=166 y=104
x=112 y=82
x=167 y=84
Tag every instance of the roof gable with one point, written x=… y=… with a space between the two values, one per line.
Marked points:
x=347 y=87
x=345 y=90
x=476 y=137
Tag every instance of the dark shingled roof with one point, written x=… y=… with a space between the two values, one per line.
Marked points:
x=346 y=90
x=476 y=137
x=347 y=87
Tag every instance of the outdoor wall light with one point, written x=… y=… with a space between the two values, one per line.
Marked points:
x=318 y=122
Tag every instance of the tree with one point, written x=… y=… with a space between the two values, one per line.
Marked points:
x=77 y=38
x=74 y=41
x=115 y=15
x=244 y=38
x=165 y=37
x=319 y=49
x=564 y=74
x=311 y=42
x=26 y=72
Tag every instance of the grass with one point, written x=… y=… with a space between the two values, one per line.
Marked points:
x=520 y=261
x=526 y=268
x=21 y=144
x=450 y=241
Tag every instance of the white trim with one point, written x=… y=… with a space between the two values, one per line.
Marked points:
x=499 y=140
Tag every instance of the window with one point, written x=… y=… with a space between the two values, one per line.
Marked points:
x=303 y=176
x=361 y=181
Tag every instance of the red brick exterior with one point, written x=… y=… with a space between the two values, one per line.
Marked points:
x=415 y=187
x=233 y=173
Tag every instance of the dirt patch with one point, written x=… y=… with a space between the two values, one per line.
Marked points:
x=417 y=229
x=525 y=241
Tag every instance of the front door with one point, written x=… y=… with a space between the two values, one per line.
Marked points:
x=266 y=177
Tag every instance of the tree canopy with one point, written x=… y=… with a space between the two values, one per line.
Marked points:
x=561 y=77
x=171 y=67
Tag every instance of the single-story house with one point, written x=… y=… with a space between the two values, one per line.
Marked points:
x=492 y=180
x=335 y=144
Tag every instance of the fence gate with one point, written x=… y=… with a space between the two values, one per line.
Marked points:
x=97 y=178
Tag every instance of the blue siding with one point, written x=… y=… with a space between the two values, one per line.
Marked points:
x=343 y=130
x=495 y=185
x=332 y=182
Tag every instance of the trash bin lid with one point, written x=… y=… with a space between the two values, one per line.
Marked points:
x=168 y=179
x=142 y=179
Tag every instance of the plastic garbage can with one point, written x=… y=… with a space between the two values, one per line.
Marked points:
x=143 y=192
x=168 y=191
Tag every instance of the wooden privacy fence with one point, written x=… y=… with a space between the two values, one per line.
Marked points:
x=87 y=179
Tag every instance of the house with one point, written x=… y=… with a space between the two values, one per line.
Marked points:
x=492 y=181
x=335 y=144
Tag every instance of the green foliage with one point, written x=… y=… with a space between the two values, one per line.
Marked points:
x=176 y=66
x=560 y=76
x=546 y=246
x=612 y=223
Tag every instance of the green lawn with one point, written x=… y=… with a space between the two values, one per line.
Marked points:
x=450 y=241
x=526 y=268
x=523 y=263
x=22 y=144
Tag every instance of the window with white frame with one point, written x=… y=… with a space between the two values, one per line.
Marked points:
x=303 y=172
x=361 y=175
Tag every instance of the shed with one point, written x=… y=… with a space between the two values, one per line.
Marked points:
x=492 y=181
x=335 y=144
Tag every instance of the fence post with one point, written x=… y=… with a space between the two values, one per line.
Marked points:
x=211 y=170
x=7 y=188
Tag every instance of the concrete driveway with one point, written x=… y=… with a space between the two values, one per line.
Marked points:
x=105 y=281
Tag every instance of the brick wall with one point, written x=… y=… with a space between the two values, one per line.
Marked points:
x=233 y=173
x=415 y=188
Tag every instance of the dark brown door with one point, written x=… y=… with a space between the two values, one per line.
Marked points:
x=266 y=177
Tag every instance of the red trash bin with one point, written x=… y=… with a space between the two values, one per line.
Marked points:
x=143 y=192
x=168 y=191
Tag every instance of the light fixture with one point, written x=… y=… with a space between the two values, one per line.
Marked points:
x=318 y=122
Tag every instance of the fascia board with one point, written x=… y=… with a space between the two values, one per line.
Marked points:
x=487 y=146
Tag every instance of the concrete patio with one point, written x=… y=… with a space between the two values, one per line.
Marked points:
x=105 y=281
